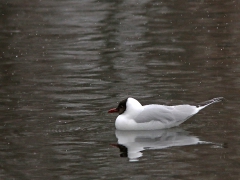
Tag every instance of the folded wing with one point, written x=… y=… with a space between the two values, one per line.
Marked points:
x=166 y=114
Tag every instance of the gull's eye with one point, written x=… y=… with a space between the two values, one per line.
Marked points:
x=121 y=106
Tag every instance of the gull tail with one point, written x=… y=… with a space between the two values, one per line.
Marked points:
x=209 y=102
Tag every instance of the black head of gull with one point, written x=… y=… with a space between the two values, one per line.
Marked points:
x=128 y=106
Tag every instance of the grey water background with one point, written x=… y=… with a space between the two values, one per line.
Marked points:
x=64 y=64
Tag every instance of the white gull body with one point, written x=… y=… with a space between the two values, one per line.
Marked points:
x=134 y=116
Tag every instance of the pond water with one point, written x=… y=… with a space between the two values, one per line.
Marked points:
x=64 y=64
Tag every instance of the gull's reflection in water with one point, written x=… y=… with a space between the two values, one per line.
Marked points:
x=132 y=143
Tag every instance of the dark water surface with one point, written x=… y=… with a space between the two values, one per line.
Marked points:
x=63 y=64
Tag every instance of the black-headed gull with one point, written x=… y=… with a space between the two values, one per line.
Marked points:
x=134 y=116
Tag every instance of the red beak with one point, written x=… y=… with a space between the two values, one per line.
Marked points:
x=114 y=145
x=114 y=110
